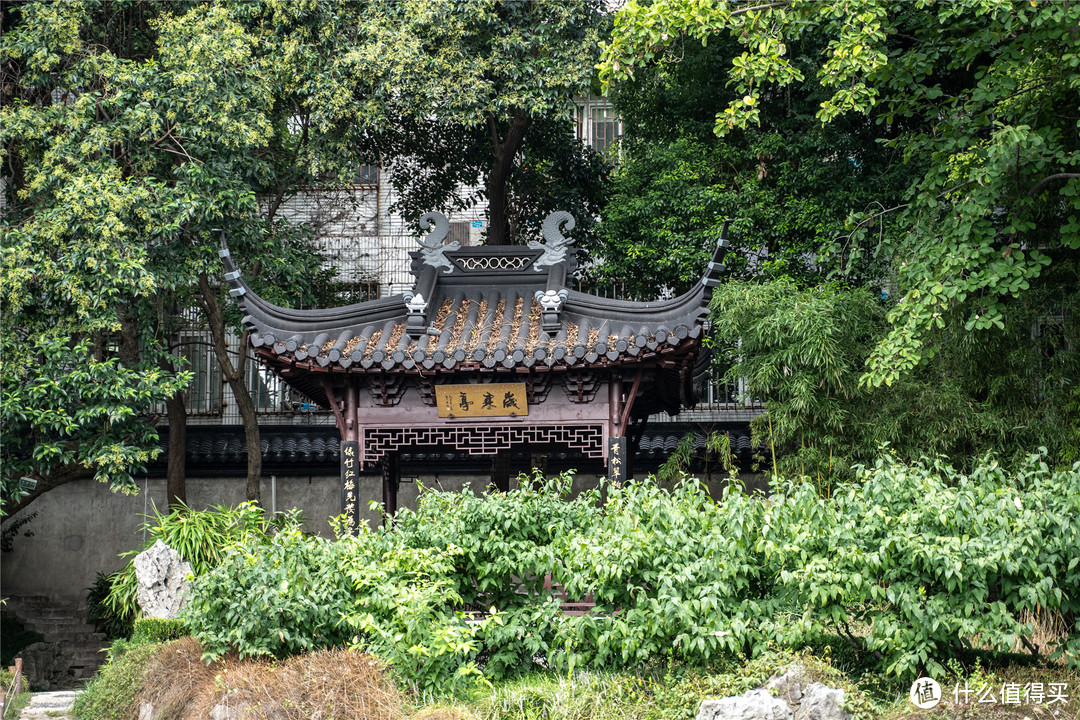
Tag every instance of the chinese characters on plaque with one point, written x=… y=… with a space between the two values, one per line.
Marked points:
x=350 y=476
x=493 y=400
x=616 y=463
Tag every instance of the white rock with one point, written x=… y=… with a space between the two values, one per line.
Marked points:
x=788 y=686
x=822 y=703
x=754 y=705
x=162 y=577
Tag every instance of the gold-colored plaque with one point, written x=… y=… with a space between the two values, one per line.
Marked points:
x=494 y=400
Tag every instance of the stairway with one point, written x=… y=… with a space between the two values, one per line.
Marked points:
x=61 y=624
x=54 y=705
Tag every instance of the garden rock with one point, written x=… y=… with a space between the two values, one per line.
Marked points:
x=822 y=703
x=786 y=696
x=754 y=705
x=161 y=575
x=789 y=685
x=44 y=665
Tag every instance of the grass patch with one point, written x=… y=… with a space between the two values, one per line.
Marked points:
x=114 y=691
x=19 y=701
x=652 y=692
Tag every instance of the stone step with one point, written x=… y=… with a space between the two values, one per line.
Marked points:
x=61 y=625
x=68 y=631
x=64 y=628
x=28 y=600
x=57 y=612
x=87 y=659
x=55 y=705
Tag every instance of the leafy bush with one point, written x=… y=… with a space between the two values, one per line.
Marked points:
x=101 y=614
x=113 y=692
x=673 y=574
x=926 y=560
x=509 y=542
x=158 y=630
x=909 y=563
x=200 y=537
x=298 y=593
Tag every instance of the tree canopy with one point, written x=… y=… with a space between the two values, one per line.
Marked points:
x=787 y=184
x=984 y=95
x=926 y=152
x=475 y=77
x=132 y=132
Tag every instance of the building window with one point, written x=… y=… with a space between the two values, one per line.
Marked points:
x=460 y=230
x=203 y=394
x=367 y=175
x=598 y=125
x=268 y=391
x=606 y=129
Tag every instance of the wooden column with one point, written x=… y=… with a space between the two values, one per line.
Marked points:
x=345 y=413
x=391 y=481
x=616 y=445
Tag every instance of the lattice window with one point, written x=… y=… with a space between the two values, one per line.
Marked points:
x=483 y=439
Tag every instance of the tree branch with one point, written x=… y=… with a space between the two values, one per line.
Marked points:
x=1049 y=178
x=740 y=11
x=64 y=475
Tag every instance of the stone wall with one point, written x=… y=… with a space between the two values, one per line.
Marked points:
x=82 y=527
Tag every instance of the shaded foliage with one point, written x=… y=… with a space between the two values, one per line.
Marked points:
x=788 y=184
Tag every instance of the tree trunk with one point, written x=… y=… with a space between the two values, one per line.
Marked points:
x=503 y=152
x=176 y=469
x=235 y=378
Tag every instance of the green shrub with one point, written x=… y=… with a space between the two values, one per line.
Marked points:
x=114 y=691
x=200 y=537
x=674 y=574
x=909 y=564
x=101 y=614
x=158 y=630
x=298 y=593
x=925 y=560
x=508 y=542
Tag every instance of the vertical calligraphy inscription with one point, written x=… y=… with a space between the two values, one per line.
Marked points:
x=350 y=479
x=617 y=459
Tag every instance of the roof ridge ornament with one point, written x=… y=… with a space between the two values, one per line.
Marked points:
x=433 y=246
x=555 y=245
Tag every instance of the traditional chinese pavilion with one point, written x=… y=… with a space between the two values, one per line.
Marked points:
x=489 y=351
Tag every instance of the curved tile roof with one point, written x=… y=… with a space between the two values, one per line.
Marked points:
x=501 y=308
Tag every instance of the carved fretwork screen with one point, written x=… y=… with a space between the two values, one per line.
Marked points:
x=482 y=439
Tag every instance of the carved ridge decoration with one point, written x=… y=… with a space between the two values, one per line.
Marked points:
x=432 y=248
x=555 y=245
x=483 y=439
x=492 y=263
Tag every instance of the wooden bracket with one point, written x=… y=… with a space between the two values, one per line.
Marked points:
x=629 y=403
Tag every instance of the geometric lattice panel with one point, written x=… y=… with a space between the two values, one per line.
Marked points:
x=483 y=439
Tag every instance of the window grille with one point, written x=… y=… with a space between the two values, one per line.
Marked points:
x=460 y=231
x=367 y=175
x=606 y=128
x=203 y=394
